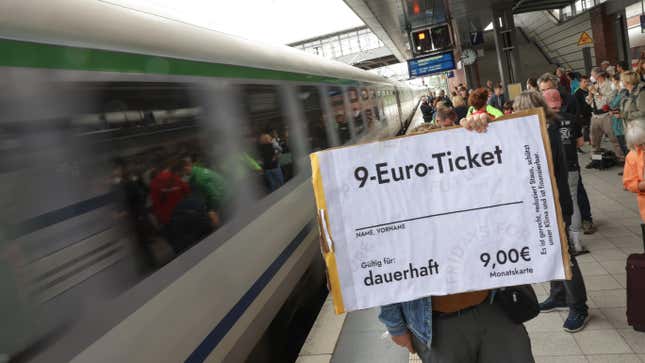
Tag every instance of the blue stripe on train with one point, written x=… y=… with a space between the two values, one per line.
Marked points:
x=224 y=326
x=11 y=232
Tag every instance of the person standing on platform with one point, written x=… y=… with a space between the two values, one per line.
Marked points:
x=478 y=104
x=531 y=85
x=460 y=107
x=633 y=173
x=459 y=328
x=584 y=109
x=426 y=110
x=565 y=84
x=571 y=138
x=549 y=81
x=499 y=98
x=632 y=105
x=599 y=98
x=571 y=294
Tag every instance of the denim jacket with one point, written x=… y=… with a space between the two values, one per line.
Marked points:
x=415 y=315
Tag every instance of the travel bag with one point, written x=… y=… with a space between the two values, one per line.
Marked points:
x=636 y=288
x=602 y=159
x=518 y=302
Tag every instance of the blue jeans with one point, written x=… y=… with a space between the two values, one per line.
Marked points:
x=583 y=202
x=274 y=178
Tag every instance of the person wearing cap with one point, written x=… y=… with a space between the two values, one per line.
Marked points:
x=604 y=65
x=571 y=137
x=599 y=98
x=549 y=81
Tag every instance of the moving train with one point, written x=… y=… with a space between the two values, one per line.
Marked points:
x=155 y=193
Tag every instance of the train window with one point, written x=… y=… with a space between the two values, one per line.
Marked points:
x=364 y=94
x=367 y=113
x=338 y=108
x=357 y=114
x=376 y=103
x=312 y=108
x=108 y=184
x=271 y=147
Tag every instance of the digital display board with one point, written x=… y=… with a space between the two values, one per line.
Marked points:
x=437 y=63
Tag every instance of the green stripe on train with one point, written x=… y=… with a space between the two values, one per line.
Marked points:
x=35 y=55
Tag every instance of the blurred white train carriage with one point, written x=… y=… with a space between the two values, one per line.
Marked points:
x=92 y=115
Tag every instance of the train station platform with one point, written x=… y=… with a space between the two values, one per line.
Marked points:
x=358 y=337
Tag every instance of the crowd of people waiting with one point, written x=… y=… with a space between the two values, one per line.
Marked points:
x=470 y=327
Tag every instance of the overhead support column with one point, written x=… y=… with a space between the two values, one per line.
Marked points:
x=508 y=55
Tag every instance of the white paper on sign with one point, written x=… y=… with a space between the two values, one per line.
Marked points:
x=442 y=213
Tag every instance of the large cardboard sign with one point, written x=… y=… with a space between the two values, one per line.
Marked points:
x=440 y=213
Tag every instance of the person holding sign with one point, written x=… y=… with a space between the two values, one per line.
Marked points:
x=478 y=101
x=465 y=327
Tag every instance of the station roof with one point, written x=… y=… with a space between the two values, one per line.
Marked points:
x=388 y=21
x=525 y=6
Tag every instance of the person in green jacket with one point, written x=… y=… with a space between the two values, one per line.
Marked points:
x=478 y=100
x=212 y=187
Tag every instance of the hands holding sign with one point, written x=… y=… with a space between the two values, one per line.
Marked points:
x=477 y=123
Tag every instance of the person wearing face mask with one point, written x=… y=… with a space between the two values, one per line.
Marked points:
x=614 y=106
x=600 y=95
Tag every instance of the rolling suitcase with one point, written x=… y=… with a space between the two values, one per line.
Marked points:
x=636 y=288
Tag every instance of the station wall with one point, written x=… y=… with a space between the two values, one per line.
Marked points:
x=543 y=42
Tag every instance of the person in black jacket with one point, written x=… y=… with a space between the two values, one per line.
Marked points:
x=584 y=110
x=568 y=293
x=426 y=110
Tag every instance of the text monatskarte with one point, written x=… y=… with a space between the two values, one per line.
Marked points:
x=443 y=162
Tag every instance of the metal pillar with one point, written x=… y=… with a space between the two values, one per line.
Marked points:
x=586 y=55
x=508 y=55
x=622 y=38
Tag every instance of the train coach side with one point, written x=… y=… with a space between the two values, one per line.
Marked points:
x=103 y=148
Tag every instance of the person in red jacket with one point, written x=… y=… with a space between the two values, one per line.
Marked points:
x=167 y=189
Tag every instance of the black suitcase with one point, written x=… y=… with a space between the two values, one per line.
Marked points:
x=636 y=288
x=602 y=159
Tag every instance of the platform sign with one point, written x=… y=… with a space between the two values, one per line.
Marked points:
x=585 y=39
x=440 y=213
x=476 y=38
x=438 y=63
